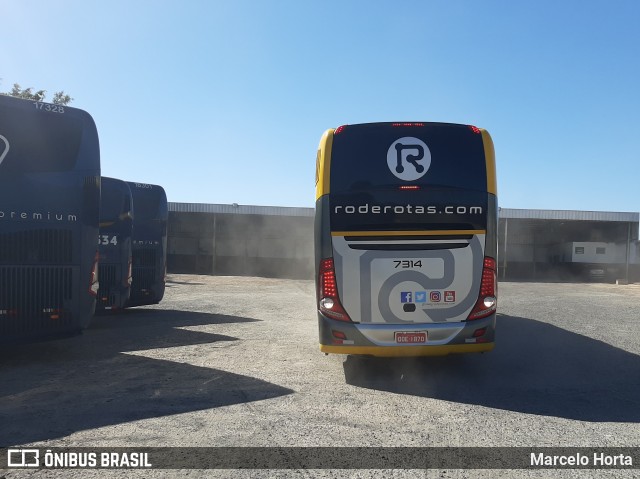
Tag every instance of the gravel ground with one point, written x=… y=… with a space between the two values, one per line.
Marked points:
x=234 y=361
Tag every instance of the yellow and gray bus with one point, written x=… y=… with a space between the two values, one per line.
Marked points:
x=406 y=239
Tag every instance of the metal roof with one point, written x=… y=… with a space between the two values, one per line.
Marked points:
x=570 y=215
x=240 y=209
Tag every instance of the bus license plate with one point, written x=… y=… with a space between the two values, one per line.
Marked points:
x=411 y=337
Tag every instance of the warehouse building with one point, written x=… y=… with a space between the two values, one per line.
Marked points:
x=534 y=245
x=549 y=245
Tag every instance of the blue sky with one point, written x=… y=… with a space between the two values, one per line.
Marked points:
x=225 y=101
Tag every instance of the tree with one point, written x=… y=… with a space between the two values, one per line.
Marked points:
x=59 y=98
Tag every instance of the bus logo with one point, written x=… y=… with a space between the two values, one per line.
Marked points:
x=4 y=150
x=408 y=158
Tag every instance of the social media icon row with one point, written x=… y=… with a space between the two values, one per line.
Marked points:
x=421 y=296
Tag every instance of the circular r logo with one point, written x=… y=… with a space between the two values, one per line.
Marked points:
x=408 y=158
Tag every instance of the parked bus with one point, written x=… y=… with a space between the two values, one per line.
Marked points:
x=115 y=244
x=149 y=247
x=406 y=239
x=49 y=210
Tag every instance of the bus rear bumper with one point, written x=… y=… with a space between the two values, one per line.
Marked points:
x=405 y=351
x=389 y=340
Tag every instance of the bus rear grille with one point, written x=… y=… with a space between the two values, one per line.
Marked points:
x=143 y=280
x=144 y=257
x=145 y=272
x=108 y=278
x=35 y=299
x=36 y=246
x=111 y=282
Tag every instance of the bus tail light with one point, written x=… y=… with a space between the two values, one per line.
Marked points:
x=487 y=299
x=329 y=303
x=93 y=281
x=54 y=313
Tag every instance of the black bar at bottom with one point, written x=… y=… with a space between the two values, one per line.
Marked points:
x=24 y=457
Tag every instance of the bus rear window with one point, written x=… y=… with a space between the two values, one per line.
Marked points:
x=114 y=202
x=38 y=143
x=149 y=204
x=424 y=176
x=364 y=157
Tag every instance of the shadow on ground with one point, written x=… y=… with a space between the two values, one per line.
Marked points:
x=173 y=282
x=52 y=389
x=536 y=368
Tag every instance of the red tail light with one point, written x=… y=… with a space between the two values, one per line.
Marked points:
x=474 y=129
x=329 y=303
x=487 y=299
x=339 y=129
x=93 y=281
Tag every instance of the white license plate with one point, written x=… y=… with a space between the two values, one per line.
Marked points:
x=411 y=337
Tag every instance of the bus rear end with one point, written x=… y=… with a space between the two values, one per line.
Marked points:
x=49 y=200
x=115 y=244
x=405 y=239
x=149 y=249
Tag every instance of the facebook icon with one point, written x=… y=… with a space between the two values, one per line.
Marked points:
x=405 y=297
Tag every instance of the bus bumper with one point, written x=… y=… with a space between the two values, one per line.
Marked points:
x=339 y=337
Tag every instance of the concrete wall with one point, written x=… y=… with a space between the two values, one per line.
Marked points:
x=243 y=244
x=276 y=244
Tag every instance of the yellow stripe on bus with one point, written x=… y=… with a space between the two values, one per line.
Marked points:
x=409 y=233
x=490 y=160
x=396 y=351
x=323 y=163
